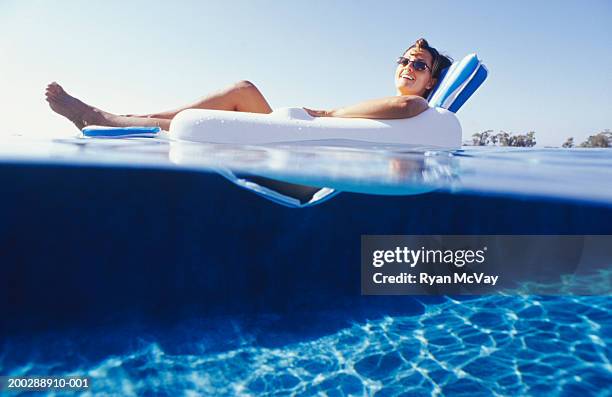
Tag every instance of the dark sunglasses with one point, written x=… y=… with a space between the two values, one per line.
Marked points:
x=417 y=64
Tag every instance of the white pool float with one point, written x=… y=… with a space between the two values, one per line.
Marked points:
x=434 y=127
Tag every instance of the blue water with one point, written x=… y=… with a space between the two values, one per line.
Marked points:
x=550 y=173
x=555 y=346
x=402 y=346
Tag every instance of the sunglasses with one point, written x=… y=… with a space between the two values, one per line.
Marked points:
x=417 y=64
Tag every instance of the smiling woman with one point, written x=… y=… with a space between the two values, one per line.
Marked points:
x=419 y=68
x=416 y=75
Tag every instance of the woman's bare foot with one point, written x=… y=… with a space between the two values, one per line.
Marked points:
x=80 y=113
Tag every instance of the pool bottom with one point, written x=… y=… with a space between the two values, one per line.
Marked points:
x=556 y=346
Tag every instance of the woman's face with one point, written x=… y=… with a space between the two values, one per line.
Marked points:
x=409 y=81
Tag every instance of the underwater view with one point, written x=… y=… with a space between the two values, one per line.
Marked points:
x=157 y=317
x=558 y=346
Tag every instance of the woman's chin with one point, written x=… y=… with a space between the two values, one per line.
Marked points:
x=402 y=90
x=405 y=87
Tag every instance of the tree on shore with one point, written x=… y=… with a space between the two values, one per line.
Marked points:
x=481 y=138
x=503 y=138
x=602 y=139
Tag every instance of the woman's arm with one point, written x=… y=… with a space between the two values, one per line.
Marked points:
x=397 y=107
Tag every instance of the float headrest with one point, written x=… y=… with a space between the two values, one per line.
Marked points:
x=457 y=83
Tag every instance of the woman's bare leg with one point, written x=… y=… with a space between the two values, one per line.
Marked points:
x=82 y=114
x=242 y=96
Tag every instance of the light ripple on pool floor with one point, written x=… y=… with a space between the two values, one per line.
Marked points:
x=553 y=346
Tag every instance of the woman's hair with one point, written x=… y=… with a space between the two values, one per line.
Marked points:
x=440 y=62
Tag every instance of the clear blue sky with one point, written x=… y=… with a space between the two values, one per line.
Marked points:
x=549 y=61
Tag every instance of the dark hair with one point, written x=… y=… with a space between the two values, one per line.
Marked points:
x=440 y=62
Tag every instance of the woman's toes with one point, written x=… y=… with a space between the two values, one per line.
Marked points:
x=55 y=88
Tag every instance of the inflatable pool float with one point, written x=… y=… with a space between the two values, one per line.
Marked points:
x=435 y=127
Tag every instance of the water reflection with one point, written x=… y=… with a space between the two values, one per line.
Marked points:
x=574 y=174
x=352 y=170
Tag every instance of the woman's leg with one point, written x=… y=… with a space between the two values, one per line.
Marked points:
x=242 y=96
x=82 y=114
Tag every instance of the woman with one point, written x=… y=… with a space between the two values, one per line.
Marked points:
x=416 y=74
